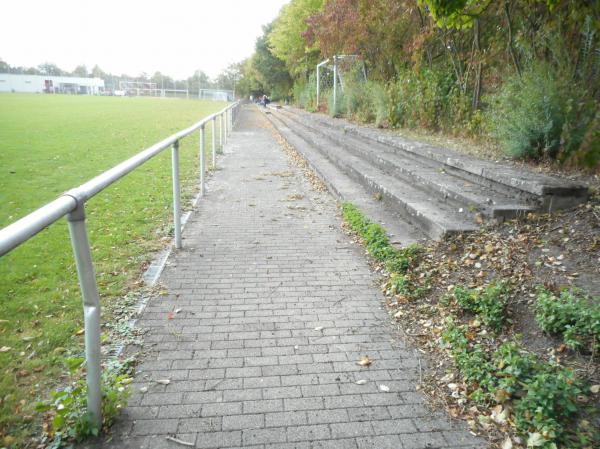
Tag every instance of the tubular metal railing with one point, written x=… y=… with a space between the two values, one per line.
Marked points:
x=72 y=204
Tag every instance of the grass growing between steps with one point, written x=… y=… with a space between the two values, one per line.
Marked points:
x=468 y=317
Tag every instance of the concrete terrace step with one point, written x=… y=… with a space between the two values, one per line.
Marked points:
x=344 y=188
x=428 y=175
x=550 y=193
x=433 y=217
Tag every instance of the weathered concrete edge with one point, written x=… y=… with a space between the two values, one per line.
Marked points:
x=535 y=183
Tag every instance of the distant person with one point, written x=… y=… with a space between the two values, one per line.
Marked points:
x=264 y=101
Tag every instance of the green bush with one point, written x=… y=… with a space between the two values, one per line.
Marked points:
x=489 y=304
x=429 y=99
x=543 y=395
x=571 y=314
x=381 y=103
x=528 y=113
x=340 y=104
x=305 y=94
x=403 y=259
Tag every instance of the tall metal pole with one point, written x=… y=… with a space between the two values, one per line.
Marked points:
x=176 y=194
x=334 y=86
x=91 y=310
x=202 y=162
x=214 y=142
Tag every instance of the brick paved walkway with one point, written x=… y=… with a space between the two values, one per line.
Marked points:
x=276 y=306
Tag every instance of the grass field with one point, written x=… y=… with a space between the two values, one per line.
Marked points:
x=49 y=144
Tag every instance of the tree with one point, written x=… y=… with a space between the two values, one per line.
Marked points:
x=4 y=67
x=269 y=70
x=228 y=77
x=48 y=68
x=199 y=80
x=286 y=39
x=97 y=72
x=80 y=70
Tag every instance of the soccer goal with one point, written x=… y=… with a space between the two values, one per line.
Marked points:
x=216 y=94
x=333 y=74
x=139 y=88
x=174 y=93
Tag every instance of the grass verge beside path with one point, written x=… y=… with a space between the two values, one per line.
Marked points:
x=49 y=144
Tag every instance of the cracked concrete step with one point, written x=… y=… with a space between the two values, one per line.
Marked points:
x=434 y=218
x=427 y=175
x=401 y=233
x=551 y=192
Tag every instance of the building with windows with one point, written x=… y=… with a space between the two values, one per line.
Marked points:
x=11 y=82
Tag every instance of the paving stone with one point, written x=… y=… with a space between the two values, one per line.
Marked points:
x=237 y=422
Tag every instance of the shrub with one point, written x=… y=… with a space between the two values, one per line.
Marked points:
x=528 y=113
x=429 y=99
x=489 y=304
x=380 y=100
x=305 y=93
x=571 y=314
x=544 y=395
x=340 y=104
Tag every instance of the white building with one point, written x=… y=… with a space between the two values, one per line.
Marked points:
x=10 y=82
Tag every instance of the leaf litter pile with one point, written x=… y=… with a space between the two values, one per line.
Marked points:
x=509 y=318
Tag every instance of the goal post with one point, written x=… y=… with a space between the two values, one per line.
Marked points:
x=139 y=88
x=333 y=73
x=216 y=94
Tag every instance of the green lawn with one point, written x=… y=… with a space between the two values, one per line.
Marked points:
x=49 y=144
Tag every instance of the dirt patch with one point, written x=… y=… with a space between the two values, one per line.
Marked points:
x=552 y=251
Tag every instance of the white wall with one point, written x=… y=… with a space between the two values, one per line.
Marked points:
x=10 y=82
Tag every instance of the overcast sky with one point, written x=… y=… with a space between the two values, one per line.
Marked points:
x=175 y=37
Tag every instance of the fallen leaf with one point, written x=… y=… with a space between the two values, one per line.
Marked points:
x=177 y=310
x=320 y=328
x=163 y=381
x=501 y=395
x=365 y=361
x=80 y=332
x=143 y=389
x=5 y=348
x=361 y=382
x=507 y=443
x=535 y=440
x=499 y=414
x=595 y=389
x=384 y=388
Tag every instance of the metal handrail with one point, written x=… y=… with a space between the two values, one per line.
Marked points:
x=72 y=205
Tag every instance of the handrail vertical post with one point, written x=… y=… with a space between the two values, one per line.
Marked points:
x=91 y=309
x=202 y=160
x=230 y=120
x=176 y=194
x=214 y=142
x=225 y=126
